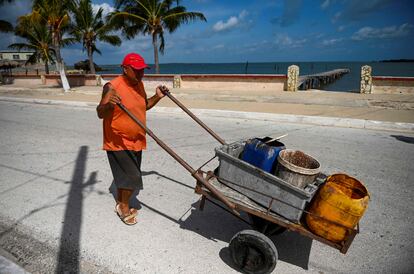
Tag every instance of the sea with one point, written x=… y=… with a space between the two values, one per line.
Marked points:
x=348 y=83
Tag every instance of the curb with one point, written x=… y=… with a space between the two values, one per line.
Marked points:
x=286 y=118
x=8 y=266
x=47 y=101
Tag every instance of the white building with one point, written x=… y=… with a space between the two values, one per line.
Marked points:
x=19 y=56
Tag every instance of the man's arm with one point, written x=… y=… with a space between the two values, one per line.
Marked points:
x=109 y=99
x=159 y=93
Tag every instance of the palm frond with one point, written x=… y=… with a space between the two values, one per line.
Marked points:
x=111 y=39
x=20 y=46
x=5 y=26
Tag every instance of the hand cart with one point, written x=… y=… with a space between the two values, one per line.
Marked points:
x=251 y=250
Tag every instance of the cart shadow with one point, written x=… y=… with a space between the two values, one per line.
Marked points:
x=216 y=224
x=134 y=202
x=405 y=139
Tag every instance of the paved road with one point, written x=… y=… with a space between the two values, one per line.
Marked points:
x=56 y=211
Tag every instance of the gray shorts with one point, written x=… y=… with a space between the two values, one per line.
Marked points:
x=126 y=168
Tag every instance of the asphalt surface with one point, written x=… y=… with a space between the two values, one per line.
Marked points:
x=56 y=212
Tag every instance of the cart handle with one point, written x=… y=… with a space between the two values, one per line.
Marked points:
x=186 y=110
x=199 y=177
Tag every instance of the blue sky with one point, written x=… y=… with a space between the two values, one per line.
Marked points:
x=267 y=31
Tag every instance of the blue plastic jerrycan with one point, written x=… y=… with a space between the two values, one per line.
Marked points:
x=261 y=154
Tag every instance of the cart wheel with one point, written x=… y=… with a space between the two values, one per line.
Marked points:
x=253 y=252
x=265 y=227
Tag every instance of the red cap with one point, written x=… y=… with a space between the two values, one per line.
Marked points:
x=135 y=61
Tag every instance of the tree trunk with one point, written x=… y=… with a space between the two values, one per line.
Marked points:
x=60 y=66
x=46 y=67
x=155 y=45
x=90 y=57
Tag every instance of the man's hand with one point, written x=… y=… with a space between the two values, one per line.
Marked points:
x=159 y=93
x=113 y=97
x=161 y=90
x=109 y=99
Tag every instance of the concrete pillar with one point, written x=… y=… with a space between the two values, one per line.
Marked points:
x=366 y=79
x=98 y=80
x=43 y=79
x=177 y=81
x=293 y=77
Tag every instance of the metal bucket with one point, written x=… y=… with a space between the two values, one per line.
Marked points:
x=297 y=168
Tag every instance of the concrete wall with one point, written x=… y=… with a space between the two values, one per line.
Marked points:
x=232 y=82
x=150 y=81
x=75 y=80
x=28 y=80
x=229 y=82
x=260 y=84
x=25 y=80
x=387 y=84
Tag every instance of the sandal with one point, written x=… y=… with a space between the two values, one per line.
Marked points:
x=130 y=219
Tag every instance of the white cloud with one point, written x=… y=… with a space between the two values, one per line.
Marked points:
x=340 y=28
x=231 y=23
x=336 y=17
x=220 y=46
x=382 y=33
x=284 y=41
x=330 y=42
x=105 y=6
x=325 y=4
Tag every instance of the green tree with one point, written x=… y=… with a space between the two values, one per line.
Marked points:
x=55 y=14
x=152 y=17
x=88 y=27
x=38 y=40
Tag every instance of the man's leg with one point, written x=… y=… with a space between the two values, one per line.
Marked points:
x=123 y=197
x=125 y=166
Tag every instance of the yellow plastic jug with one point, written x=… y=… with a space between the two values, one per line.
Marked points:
x=342 y=200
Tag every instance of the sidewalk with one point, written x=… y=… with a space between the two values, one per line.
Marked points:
x=389 y=111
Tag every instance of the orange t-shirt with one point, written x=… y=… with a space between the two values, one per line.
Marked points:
x=119 y=130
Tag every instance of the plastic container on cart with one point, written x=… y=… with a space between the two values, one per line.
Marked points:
x=261 y=186
x=261 y=154
x=297 y=168
x=341 y=202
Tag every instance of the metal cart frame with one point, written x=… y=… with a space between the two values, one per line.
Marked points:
x=213 y=189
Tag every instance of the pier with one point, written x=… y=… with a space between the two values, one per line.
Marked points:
x=315 y=81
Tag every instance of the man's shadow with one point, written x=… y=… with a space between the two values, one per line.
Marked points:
x=68 y=259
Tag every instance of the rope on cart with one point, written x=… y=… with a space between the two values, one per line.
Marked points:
x=199 y=169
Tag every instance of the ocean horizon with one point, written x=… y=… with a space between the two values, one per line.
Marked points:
x=349 y=82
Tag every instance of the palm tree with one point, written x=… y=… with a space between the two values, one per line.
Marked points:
x=54 y=14
x=89 y=27
x=151 y=17
x=38 y=39
x=5 y=26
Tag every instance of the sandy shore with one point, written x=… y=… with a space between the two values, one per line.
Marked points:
x=380 y=107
